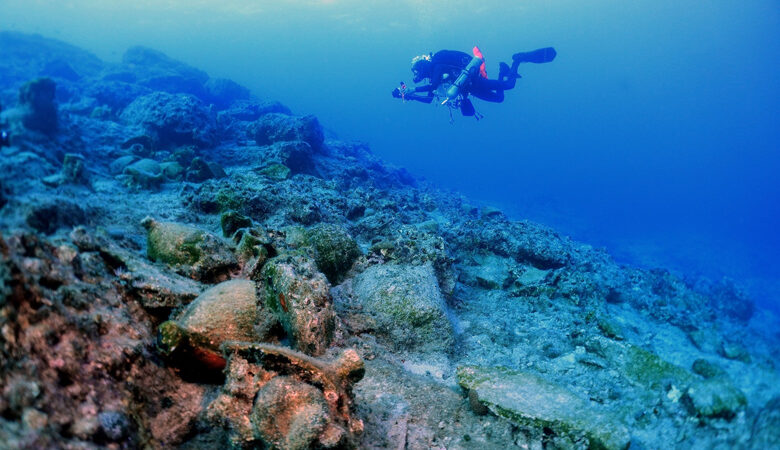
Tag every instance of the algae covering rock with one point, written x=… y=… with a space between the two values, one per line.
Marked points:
x=276 y=127
x=188 y=250
x=714 y=398
x=529 y=400
x=173 y=119
x=407 y=305
x=335 y=250
x=299 y=295
x=229 y=311
x=640 y=366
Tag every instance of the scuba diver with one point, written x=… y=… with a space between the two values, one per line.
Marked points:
x=453 y=75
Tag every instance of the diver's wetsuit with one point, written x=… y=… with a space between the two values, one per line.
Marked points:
x=447 y=64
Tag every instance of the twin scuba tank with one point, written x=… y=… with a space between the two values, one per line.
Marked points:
x=455 y=88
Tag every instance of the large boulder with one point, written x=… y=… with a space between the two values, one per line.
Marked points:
x=159 y=72
x=173 y=119
x=223 y=92
x=277 y=127
x=408 y=308
x=52 y=213
x=38 y=108
x=26 y=56
x=730 y=300
x=115 y=94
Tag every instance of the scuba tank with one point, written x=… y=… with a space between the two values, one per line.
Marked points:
x=454 y=90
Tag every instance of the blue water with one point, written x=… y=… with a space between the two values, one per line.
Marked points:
x=655 y=133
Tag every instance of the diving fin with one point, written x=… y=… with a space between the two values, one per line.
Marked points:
x=539 y=56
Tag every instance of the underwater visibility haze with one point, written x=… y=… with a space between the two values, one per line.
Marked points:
x=217 y=202
x=654 y=133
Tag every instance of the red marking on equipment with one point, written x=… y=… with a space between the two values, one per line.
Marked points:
x=478 y=53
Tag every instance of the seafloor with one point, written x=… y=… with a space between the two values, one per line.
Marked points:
x=183 y=265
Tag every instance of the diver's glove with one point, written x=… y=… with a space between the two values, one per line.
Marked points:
x=396 y=93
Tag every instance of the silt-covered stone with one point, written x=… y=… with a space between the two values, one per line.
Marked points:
x=275 y=127
x=407 y=305
x=529 y=400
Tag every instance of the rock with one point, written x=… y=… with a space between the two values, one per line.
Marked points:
x=766 y=428
x=58 y=68
x=707 y=369
x=141 y=145
x=54 y=213
x=200 y=171
x=415 y=247
x=173 y=119
x=299 y=295
x=115 y=425
x=246 y=110
x=20 y=393
x=38 y=106
x=115 y=94
x=488 y=272
x=145 y=173
x=144 y=58
x=34 y=420
x=295 y=155
x=157 y=71
x=172 y=170
x=531 y=401
x=335 y=250
x=729 y=299
x=490 y=212
x=223 y=92
x=188 y=250
x=229 y=311
x=733 y=350
x=276 y=171
x=640 y=366
x=29 y=55
x=155 y=289
x=715 y=397
x=526 y=242
x=407 y=305
x=276 y=127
